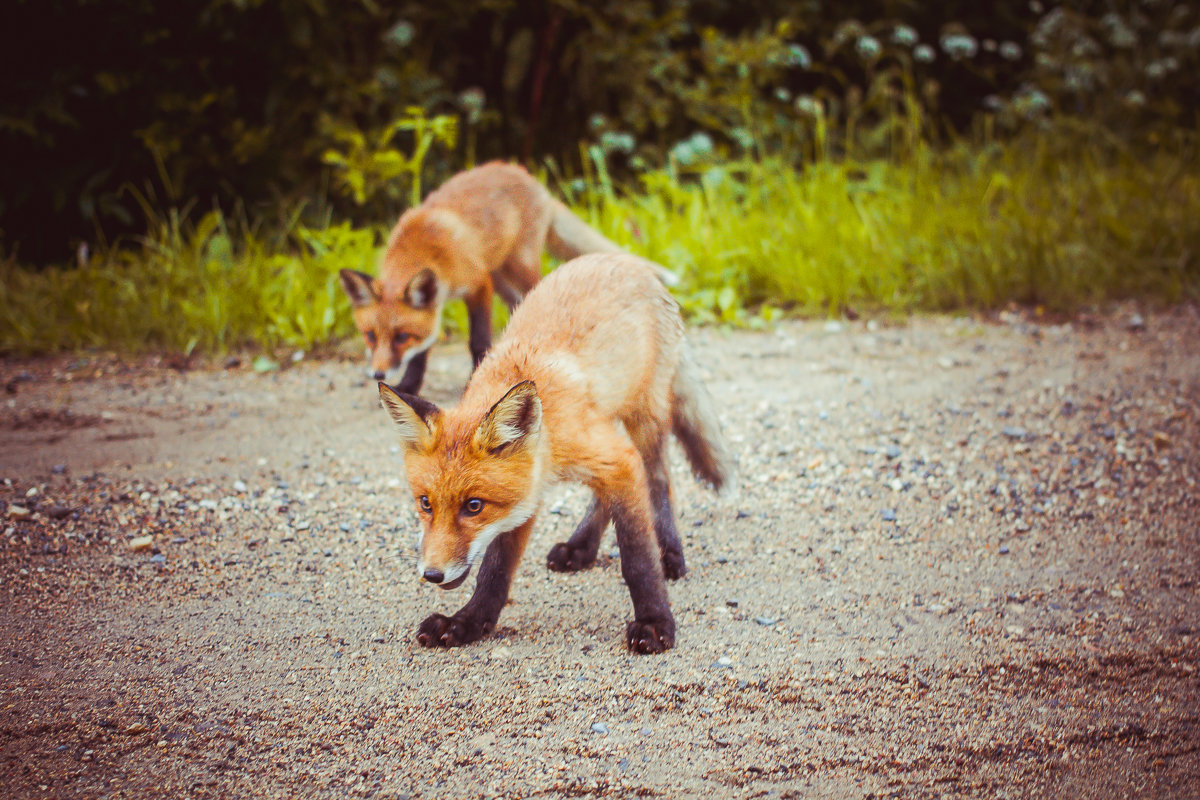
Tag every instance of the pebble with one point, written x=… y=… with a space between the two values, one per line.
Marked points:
x=239 y=486
x=158 y=558
x=765 y=621
x=58 y=512
x=732 y=602
x=1003 y=549
x=600 y=727
x=1136 y=323
x=1013 y=432
x=888 y=514
x=58 y=469
x=891 y=451
x=19 y=512
x=141 y=543
x=725 y=661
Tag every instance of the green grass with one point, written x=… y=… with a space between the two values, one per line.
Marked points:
x=1062 y=221
x=970 y=229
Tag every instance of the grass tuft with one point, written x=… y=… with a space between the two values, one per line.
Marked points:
x=1063 y=220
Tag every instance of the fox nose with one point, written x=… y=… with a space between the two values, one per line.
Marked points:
x=380 y=375
x=434 y=575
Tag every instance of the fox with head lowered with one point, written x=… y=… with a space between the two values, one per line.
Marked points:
x=587 y=382
x=481 y=233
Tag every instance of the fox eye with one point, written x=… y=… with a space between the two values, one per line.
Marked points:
x=472 y=507
x=371 y=338
x=400 y=338
x=423 y=502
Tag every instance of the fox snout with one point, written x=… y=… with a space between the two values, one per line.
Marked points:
x=449 y=578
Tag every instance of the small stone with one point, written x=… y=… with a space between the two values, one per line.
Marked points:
x=1136 y=323
x=58 y=469
x=888 y=514
x=1161 y=440
x=765 y=621
x=836 y=549
x=19 y=512
x=891 y=451
x=58 y=512
x=732 y=602
x=344 y=527
x=1015 y=630
x=179 y=540
x=499 y=654
x=600 y=727
x=239 y=486
x=833 y=326
x=1013 y=432
x=724 y=661
x=1003 y=549
x=158 y=558
x=135 y=729
x=645 y=731
x=301 y=525
x=141 y=543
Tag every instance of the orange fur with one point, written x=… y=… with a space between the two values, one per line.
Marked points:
x=480 y=233
x=586 y=383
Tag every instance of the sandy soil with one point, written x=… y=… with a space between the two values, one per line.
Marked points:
x=963 y=561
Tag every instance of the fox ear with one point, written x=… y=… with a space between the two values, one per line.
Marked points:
x=359 y=286
x=510 y=423
x=413 y=416
x=422 y=290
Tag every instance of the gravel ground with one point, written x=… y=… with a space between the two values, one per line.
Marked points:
x=963 y=561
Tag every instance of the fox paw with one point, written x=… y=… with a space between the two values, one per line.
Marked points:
x=565 y=558
x=650 y=637
x=673 y=565
x=438 y=630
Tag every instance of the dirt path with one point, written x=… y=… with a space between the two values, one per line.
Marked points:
x=963 y=562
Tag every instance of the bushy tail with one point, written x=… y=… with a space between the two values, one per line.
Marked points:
x=571 y=237
x=694 y=423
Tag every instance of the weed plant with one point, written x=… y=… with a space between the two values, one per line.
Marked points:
x=1064 y=219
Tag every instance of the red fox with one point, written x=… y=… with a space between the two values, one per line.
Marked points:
x=586 y=382
x=483 y=231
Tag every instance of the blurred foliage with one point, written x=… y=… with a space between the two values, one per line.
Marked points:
x=1059 y=218
x=261 y=107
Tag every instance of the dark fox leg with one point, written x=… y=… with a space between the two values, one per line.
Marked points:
x=414 y=374
x=508 y=293
x=478 y=617
x=669 y=545
x=653 y=626
x=579 y=552
x=479 y=323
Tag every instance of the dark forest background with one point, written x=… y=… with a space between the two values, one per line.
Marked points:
x=110 y=108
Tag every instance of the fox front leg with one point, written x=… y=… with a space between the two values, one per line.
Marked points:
x=414 y=374
x=478 y=617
